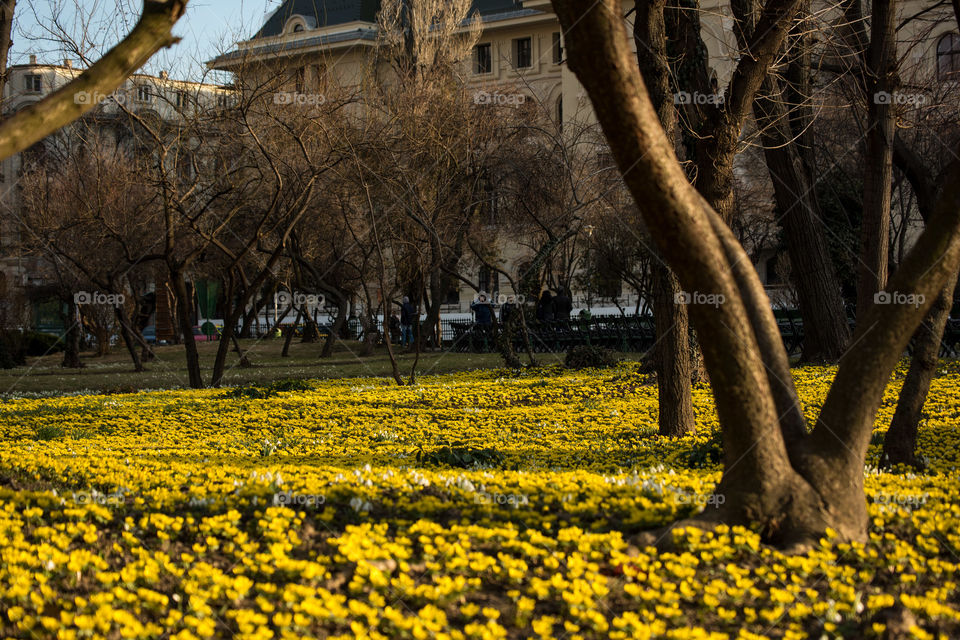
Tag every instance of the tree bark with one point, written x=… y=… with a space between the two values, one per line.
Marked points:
x=826 y=333
x=71 y=354
x=182 y=294
x=881 y=82
x=900 y=443
x=338 y=324
x=36 y=122
x=672 y=347
x=7 y=8
x=288 y=334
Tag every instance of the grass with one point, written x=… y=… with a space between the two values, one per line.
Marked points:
x=114 y=372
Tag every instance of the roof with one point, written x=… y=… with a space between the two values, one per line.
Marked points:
x=326 y=13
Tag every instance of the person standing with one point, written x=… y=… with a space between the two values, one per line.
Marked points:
x=562 y=305
x=408 y=315
x=545 y=307
x=482 y=310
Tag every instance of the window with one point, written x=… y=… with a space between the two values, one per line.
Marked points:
x=144 y=93
x=557 y=48
x=522 y=53
x=223 y=100
x=298 y=28
x=34 y=83
x=948 y=57
x=560 y=111
x=489 y=280
x=483 y=60
x=182 y=100
x=300 y=81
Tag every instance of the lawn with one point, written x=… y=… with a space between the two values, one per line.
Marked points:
x=115 y=371
x=475 y=505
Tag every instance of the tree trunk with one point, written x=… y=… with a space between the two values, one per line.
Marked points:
x=881 y=84
x=672 y=355
x=826 y=333
x=777 y=477
x=7 y=8
x=129 y=340
x=672 y=346
x=288 y=334
x=71 y=354
x=900 y=443
x=182 y=295
x=337 y=328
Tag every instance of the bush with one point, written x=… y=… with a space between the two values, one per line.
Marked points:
x=458 y=455
x=37 y=344
x=270 y=390
x=584 y=357
x=11 y=350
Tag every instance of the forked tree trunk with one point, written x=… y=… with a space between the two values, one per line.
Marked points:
x=129 y=340
x=182 y=295
x=777 y=477
x=288 y=337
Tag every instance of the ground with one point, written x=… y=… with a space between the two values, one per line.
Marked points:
x=476 y=505
x=115 y=371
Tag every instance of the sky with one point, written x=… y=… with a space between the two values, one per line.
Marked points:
x=207 y=28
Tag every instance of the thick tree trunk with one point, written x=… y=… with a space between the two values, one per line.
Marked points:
x=777 y=477
x=826 y=333
x=872 y=272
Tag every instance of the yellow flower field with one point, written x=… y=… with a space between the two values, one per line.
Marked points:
x=475 y=505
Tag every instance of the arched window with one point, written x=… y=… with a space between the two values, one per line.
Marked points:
x=298 y=28
x=948 y=57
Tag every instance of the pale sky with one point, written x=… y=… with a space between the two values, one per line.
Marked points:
x=207 y=27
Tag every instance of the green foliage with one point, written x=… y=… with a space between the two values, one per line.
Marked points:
x=584 y=357
x=270 y=390
x=706 y=453
x=49 y=432
x=457 y=454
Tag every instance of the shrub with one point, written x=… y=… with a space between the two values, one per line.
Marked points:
x=11 y=350
x=584 y=357
x=270 y=390
x=458 y=455
x=37 y=344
